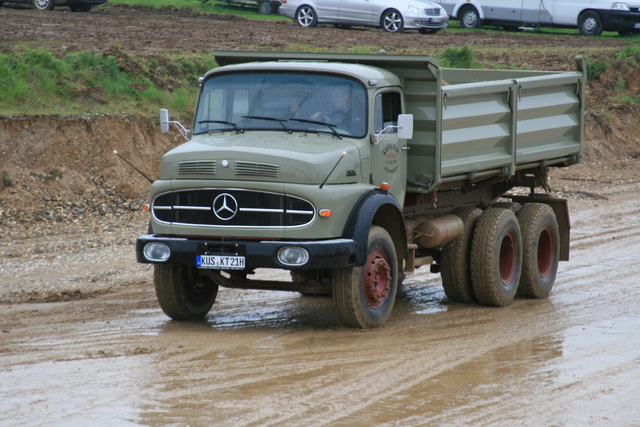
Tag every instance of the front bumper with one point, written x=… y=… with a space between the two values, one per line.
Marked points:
x=323 y=254
x=615 y=20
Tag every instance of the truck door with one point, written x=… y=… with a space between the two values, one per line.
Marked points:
x=389 y=154
x=356 y=11
x=531 y=10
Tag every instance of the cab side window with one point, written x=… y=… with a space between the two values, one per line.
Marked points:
x=387 y=107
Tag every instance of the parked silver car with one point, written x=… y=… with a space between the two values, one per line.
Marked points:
x=394 y=17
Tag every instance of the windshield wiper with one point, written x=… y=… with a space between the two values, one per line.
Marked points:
x=271 y=119
x=315 y=122
x=234 y=125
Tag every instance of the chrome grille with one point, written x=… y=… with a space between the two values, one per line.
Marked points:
x=432 y=12
x=257 y=169
x=232 y=208
x=207 y=167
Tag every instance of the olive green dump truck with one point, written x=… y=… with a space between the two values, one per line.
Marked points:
x=351 y=171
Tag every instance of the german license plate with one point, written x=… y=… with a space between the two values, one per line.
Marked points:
x=220 y=262
x=636 y=25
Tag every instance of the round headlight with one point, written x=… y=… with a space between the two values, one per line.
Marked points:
x=291 y=255
x=156 y=251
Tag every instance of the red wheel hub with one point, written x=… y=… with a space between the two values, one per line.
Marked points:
x=546 y=252
x=377 y=279
x=508 y=259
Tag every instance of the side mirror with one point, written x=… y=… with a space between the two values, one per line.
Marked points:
x=164 y=120
x=405 y=126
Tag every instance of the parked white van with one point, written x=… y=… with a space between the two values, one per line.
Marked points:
x=591 y=17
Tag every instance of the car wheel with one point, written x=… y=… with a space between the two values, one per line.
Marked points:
x=306 y=16
x=590 y=24
x=470 y=18
x=266 y=7
x=392 y=21
x=43 y=4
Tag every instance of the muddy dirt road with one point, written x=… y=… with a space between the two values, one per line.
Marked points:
x=269 y=358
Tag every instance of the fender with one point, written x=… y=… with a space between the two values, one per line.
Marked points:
x=376 y=207
x=456 y=9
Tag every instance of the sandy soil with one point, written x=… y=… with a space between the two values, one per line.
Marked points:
x=83 y=341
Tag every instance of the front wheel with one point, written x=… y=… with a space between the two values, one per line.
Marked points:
x=470 y=18
x=590 y=24
x=496 y=257
x=392 y=21
x=540 y=250
x=306 y=16
x=364 y=296
x=43 y=4
x=182 y=293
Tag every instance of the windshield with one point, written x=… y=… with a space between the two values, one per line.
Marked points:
x=282 y=101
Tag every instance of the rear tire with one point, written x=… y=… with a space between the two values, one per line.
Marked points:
x=454 y=265
x=182 y=293
x=364 y=296
x=496 y=257
x=43 y=4
x=540 y=250
x=266 y=8
x=470 y=18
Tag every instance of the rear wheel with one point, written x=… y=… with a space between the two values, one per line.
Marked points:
x=266 y=7
x=392 y=21
x=496 y=257
x=306 y=16
x=182 y=293
x=470 y=18
x=43 y=4
x=590 y=24
x=454 y=265
x=540 y=250
x=365 y=295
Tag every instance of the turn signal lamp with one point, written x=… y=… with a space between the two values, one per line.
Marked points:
x=145 y=207
x=384 y=186
x=325 y=213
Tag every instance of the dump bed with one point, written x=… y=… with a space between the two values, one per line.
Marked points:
x=471 y=125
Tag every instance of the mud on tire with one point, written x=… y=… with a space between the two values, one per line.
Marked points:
x=182 y=294
x=364 y=296
x=496 y=257
x=540 y=250
x=454 y=265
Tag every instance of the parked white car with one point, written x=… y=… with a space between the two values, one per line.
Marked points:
x=591 y=17
x=394 y=17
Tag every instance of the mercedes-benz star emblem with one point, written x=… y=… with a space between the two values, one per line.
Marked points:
x=225 y=206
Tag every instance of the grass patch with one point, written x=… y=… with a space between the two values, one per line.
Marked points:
x=36 y=81
x=249 y=11
x=454 y=57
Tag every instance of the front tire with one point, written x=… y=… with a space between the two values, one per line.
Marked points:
x=392 y=21
x=364 y=296
x=540 y=250
x=496 y=257
x=470 y=18
x=43 y=4
x=590 y=24
x=182 y=293
x=306 y=16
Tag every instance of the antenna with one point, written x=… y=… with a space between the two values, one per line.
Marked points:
x=139 y=171
x=344 y=153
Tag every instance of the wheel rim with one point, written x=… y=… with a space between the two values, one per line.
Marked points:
x=392 y=22
x=377 y=279
x=590 y=25
x=305 y=17
x=41 y=4
x=470 y=19
x=546 y=252
x=508 y=259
